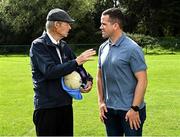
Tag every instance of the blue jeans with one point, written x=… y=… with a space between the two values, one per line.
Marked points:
x=116 y=125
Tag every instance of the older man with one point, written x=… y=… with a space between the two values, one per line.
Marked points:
x=51 y=59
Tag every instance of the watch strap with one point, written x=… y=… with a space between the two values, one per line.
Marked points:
x=135 y=108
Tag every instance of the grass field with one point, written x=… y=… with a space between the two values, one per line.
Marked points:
x=162 y=98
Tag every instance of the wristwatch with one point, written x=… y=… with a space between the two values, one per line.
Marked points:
x=135 y=108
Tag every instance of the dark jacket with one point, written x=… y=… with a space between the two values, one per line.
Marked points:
x=47 y=72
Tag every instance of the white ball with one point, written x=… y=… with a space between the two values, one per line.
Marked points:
x=73 y=80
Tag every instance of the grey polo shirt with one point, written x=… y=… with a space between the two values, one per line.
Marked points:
x=119 y=63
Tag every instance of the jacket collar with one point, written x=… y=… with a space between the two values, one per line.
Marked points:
x=47 y=40
x=52 y=39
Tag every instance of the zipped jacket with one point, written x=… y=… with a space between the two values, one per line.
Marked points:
x=47 y=71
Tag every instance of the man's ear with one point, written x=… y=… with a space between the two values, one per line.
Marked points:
x=56 y=24
x=115 y=26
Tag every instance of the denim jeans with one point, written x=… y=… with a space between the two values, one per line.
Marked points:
x=116 y=125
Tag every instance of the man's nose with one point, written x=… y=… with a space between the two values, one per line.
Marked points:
x=100 y=27
x=69 y=26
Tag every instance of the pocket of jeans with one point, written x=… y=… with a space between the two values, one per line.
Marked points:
x=143 y=114
x=35 y=117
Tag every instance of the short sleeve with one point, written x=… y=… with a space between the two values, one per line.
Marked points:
x=99 y=57
x=137 y=61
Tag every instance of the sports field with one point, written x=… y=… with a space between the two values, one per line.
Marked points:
x=162 y=98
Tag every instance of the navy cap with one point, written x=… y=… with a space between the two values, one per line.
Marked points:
x=59 y=15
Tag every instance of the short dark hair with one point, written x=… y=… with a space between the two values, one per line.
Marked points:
x=115 y=15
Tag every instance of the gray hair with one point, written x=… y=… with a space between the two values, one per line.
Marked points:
x=49 y=25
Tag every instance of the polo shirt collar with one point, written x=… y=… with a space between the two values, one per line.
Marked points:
x=118 y=42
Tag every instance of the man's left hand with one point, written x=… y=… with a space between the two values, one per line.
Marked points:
x=87 y=88
x=133 y=118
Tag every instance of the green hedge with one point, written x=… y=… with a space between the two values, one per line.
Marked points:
x=168 y=43
x=14 y=49
x=143 y=40
x=148 y=43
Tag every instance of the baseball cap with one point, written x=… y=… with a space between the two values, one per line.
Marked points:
x=59 y=15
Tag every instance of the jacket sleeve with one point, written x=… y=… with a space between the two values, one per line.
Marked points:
x=87 y=76
x=42 y=60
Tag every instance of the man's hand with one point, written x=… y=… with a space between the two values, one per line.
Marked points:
x=87 y=88
x=133 y=118
x=85 y=56
x=103 y=110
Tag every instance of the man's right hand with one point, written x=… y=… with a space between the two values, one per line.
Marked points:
x=85 y=56
x=103 y=110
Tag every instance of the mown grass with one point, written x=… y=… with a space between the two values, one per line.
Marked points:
x=162 y=98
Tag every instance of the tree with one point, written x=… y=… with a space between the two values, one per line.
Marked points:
x=153 y=17
x=27 y=18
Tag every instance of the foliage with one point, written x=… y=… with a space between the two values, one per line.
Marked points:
x=100 y=6
x=85 y=33
x=146 y=41
x=151 y=45
x=21 y=21
x=143 y=40
x=155 y=17
x=27 y=19
x=170 y=42
x=14 y=49
x=158 y=50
